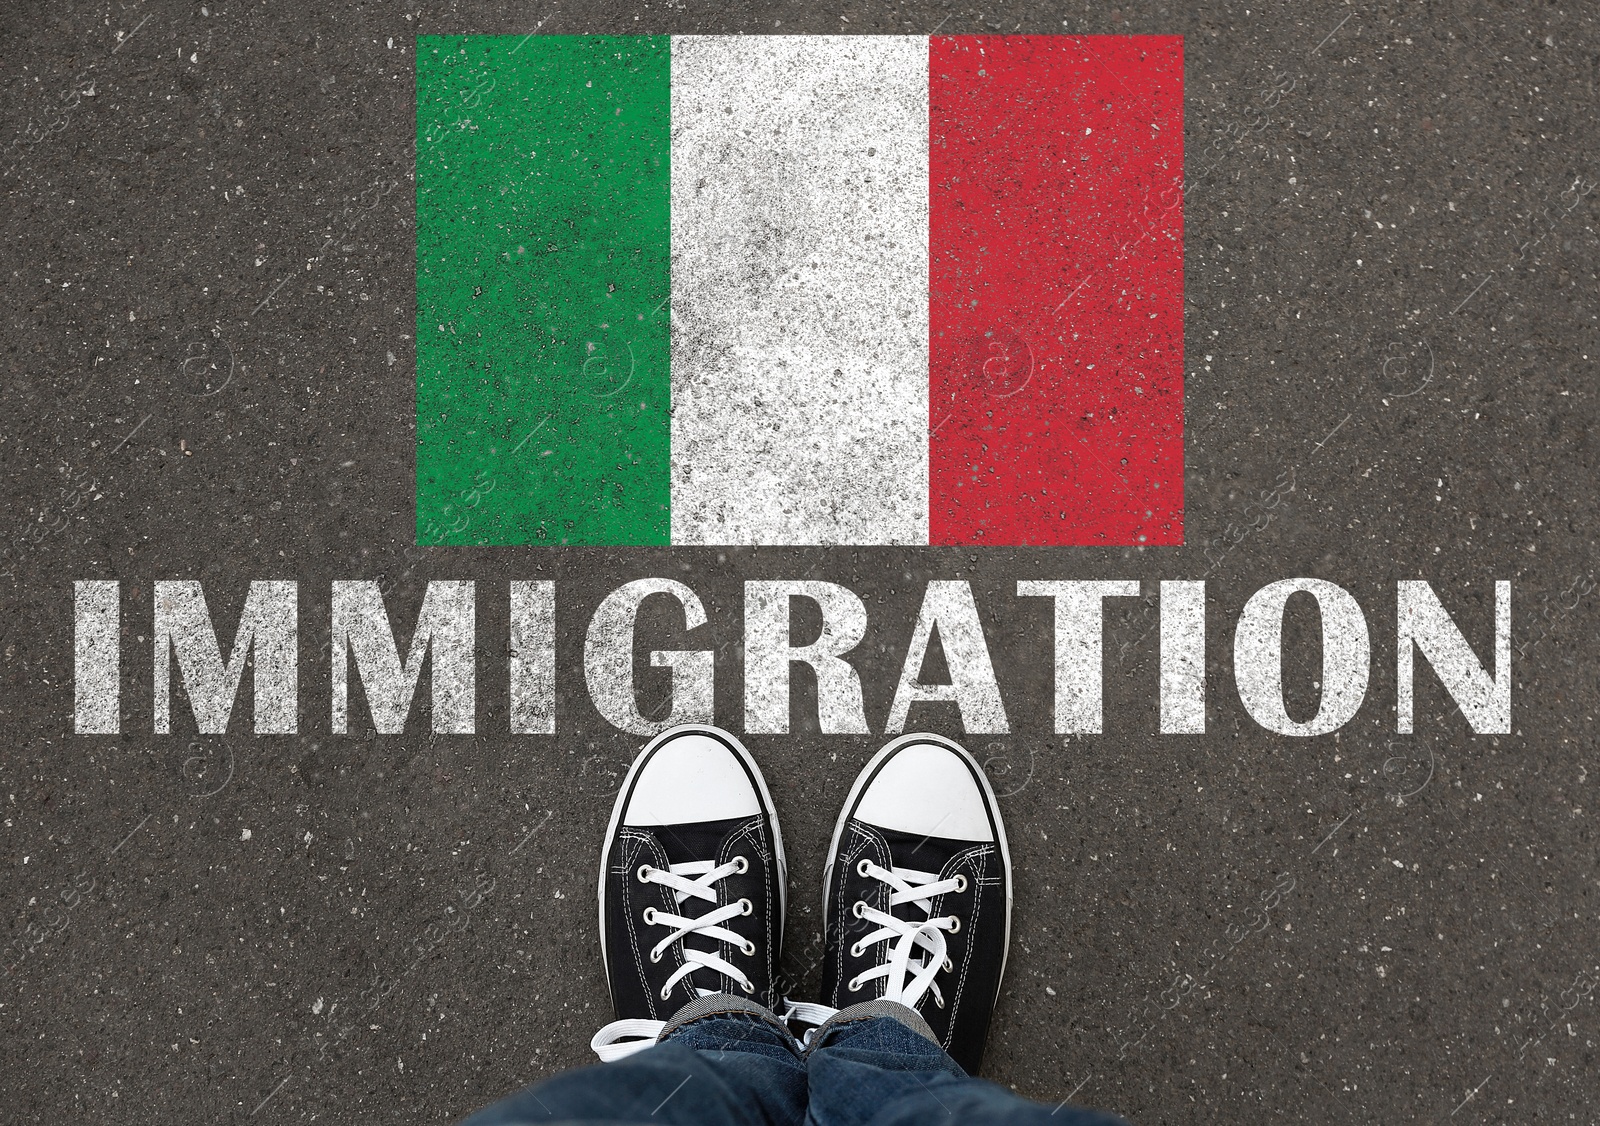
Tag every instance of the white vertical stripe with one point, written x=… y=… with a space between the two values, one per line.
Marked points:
x=800 y=289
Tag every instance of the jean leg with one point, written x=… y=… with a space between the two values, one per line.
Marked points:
x=726 y=1070
x=876 y=1071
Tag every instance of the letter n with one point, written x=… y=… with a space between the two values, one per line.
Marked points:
x=1484 y=700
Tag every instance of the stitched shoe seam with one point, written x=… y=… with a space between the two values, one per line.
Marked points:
x=976 y=858
x=755 y=831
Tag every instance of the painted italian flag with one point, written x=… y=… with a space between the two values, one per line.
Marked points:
x=799 y=290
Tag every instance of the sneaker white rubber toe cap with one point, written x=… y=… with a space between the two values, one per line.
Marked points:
x=691 y=777
x=927 y=790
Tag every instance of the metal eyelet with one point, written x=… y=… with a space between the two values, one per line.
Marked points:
x=741 y=865
x=853 y=985
x=749 y=948
x=746 y=907
x=748 y=987
x=655 y=956
x=948 y=965
x=666 y=994
x=860 y=909
x=939 y=1001
x=856 y=951
x=649 y=916
x=643 y=873
x=861 y=869
x=955 y=924
x=961 y=884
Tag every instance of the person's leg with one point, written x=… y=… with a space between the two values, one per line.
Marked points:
x=722 y=1062
x=869 y=1067
x=917 y=920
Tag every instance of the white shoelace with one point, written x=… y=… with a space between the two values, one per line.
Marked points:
x=907 y=885
x=624 y=1037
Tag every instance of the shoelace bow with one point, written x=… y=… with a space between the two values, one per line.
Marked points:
x=907 y=885
x=624 y=1037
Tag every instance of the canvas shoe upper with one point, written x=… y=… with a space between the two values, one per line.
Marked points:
x=691 y=885
x=917 y=893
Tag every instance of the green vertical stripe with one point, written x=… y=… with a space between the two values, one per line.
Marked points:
x=542 y=282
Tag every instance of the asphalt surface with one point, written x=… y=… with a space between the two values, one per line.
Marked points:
x=208 y=373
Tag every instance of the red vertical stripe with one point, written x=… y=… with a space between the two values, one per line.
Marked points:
x=1055 y=283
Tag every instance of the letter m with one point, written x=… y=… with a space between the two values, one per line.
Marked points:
x=268 y=629
x=445 y=623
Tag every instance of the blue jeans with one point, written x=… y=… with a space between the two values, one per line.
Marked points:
x=742 y=1069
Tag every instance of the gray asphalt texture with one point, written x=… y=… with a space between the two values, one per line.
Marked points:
x=1391 y=295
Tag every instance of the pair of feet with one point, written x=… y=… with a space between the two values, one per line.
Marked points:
x=916 y=893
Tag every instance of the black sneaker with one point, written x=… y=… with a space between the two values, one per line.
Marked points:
x=917 y=896
x=691 y=885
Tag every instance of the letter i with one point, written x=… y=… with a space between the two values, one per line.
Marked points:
x=97 y=663
x=1183 y=657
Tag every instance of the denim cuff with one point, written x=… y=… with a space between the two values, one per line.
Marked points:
x=721 y=1005
x=871 y=1010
